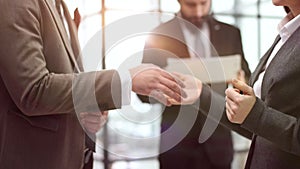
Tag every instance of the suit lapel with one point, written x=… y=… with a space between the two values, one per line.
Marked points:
x=63 y=33
x=73 y=36
x=262 y=62
x=285 y=56
x=178 y=33
x=214 y=28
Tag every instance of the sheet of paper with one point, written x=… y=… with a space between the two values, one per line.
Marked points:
x=210 y=70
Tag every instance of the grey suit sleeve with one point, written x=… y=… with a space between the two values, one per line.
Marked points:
x=281 y=129
x=24 y=68
x=207 y=98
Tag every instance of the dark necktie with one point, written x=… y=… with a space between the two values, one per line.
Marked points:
x=199 y=45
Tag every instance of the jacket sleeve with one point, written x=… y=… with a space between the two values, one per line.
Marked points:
x=207 y=99
x=24 y=70
x=281 y=129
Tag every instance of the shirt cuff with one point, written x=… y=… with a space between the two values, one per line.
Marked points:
x=126 y=85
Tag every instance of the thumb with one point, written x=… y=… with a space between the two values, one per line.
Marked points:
x=240 y=85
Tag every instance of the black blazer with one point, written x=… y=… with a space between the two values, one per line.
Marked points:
x=274 y=121
x=167 y=40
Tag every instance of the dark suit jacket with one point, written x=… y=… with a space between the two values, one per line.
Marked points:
x=167 y=40
x=274 y=121
x=38 y=124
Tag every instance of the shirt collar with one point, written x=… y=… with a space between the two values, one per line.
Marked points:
x=288 y=26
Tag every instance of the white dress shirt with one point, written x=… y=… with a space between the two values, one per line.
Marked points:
x=286 y=28
x=192 y=34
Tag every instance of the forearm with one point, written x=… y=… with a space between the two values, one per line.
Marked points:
x=67 y=93
x=277 y=127
x=210 y=100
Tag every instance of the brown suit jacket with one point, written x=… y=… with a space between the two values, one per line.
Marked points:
x=167 y=40
x=38 y=124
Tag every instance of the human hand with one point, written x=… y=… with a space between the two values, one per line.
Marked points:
x=242 y=76
x=192 y=88
x=93 y=121
x=150 y=80
x=238 y=105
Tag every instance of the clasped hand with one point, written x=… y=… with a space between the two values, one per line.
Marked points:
x=239 y=101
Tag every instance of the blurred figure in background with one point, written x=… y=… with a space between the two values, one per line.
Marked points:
x=176 y=38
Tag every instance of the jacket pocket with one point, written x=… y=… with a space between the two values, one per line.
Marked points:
x=48 y=122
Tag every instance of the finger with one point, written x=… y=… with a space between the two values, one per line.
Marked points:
x=92 y=128
x=173 y=78
x=228 y=110
x=178 y=75
x=233 y=94
x=236 y=90
x=160 y=97
x=104 y=113
x=168 y=92
x=167 y=86
x=242 y=86
x=92 y=119
x=84 y=114
x=231 y=106
x=241 y=76
x=229 y=116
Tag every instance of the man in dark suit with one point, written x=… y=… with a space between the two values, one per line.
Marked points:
x=267 y=112
x=176 y=38
x=42 y=86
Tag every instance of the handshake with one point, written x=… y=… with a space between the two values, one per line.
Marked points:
x=150 y=80
x=181 y=89
x=177 y=89
x=168 y=88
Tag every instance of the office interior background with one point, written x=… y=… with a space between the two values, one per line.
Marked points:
x=257 y=20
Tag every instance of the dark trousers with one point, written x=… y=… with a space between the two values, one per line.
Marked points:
x=90 y=148
x=186 y=157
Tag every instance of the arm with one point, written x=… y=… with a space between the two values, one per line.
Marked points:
x=24 y=67
x=211 y=104
x=208 y=97
x=38 y=90
x=254 y=115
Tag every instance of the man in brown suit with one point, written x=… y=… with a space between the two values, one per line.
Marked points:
x=41 y=73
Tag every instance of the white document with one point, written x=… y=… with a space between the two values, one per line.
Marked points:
x=210 y=70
